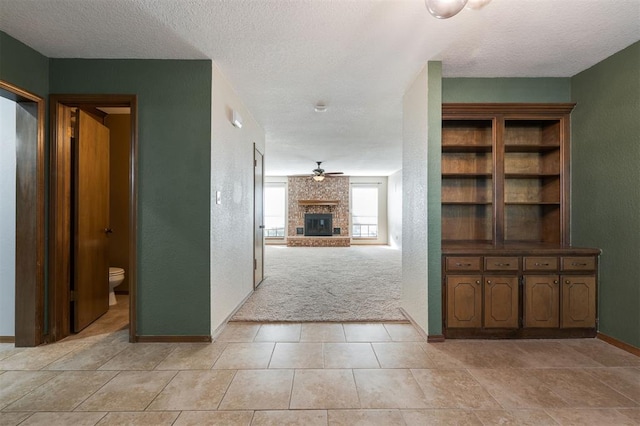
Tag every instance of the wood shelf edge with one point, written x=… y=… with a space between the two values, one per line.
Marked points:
x=318 y=202
x=457 y=110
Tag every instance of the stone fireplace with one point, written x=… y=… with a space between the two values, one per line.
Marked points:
x=324 y=200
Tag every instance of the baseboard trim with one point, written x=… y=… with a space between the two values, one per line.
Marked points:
x=435 y=338
x=415 y=324
x=218 y=330
x=7 y=339
x=173 y=339
x=619 y=344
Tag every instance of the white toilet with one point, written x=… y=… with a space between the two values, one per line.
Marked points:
x=116 y=276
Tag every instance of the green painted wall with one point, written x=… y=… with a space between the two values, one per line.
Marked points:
x=434 y=199
x=606 y=184
x=22 y=66
x=174 y=172
x=506 y=90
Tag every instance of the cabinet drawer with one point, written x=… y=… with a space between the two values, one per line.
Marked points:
x=501 y=263
x=540 y=263
x=464 y=263
x=583 y=263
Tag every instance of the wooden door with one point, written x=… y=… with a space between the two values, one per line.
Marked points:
x=258 y=219
x=464 y=301
x=541 y=301
x=501 y=301
x=578 y=301
x=90 y=291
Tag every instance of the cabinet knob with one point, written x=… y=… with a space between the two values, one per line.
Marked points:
x=541 y=264
x=463 y=264
x=502 y=264
x=478 y=282
x=488 y=281
x=567 y=282
x=555 y=281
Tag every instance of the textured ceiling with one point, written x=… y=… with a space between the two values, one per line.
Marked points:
x=356 y=56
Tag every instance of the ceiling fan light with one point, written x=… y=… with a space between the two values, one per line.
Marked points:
x=443 y=9
x=318 y=178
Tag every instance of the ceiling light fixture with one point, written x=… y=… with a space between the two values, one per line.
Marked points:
x=477 y=4
x=320 y=107
x=318 y=178
x=443 y=9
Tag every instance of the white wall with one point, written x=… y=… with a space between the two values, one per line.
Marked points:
x=381 y=183
x=394 y=209
x=7 y=217
x=232 y=174
x=414 y=200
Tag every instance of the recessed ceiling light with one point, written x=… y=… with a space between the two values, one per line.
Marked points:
x=320 y=107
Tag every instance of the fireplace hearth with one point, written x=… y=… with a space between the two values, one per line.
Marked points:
x=318 y=225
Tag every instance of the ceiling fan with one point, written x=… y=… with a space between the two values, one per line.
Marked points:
x=319 y=174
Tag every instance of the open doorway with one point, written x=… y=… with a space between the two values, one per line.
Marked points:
x=93 y=230
x=23 y=217
x=318 y=277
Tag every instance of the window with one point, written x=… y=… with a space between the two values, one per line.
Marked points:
x=364 y=217
x=274 y=210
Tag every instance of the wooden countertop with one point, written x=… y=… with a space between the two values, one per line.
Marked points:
x=518 y=249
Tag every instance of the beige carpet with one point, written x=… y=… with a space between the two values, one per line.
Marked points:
x=358 y=283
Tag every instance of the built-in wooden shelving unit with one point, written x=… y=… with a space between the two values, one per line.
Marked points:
x=508 y=267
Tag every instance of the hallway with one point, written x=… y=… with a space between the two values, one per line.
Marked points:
x=319 y=374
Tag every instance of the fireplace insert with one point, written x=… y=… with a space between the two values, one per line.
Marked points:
x=318 y=225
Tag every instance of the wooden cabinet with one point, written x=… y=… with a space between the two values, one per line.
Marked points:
x=541 y=301
x=578 y=301
x=464 y=301
x=508 y=268
x=506 y=292
x=468 y=296
x=505 y=173
x=501 y=301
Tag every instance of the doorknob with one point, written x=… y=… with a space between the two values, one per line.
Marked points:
x=108 y=231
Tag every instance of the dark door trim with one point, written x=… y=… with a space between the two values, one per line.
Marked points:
x=258 y=223
x=60 y=211
x=30 y=217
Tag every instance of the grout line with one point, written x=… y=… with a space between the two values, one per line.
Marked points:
x=355 y=383
x=273 y=350
x=375 y=354
x=97 y=390
x=161 y=390
x=293 y=380
x=217 y=357
x=226 y=389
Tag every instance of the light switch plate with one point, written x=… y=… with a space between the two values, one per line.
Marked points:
x=218 y=197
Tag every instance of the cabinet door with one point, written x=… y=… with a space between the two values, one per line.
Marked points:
x=578 y=301
x=541 y=301
x=501 y=302
x=464 y=301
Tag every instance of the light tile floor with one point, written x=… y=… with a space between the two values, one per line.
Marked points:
x=318 y=374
